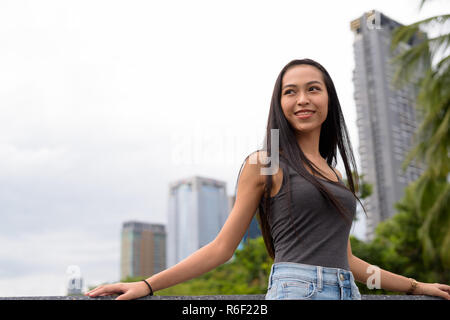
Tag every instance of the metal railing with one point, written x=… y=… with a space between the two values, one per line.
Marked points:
x=216 y=297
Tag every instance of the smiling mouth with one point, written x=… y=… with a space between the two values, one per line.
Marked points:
x=304 y=115
x=304 y=112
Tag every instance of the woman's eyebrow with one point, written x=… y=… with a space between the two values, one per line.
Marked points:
x=308 y=83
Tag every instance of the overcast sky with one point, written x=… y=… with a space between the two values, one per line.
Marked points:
x=104 y=103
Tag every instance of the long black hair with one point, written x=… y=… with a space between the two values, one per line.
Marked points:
x=333 y=135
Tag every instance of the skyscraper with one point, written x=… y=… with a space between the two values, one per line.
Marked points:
x=143 y=250
x=386 y=117
x=198 y=208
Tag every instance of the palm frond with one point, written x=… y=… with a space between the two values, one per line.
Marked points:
x=406 y=32
x=425 y=62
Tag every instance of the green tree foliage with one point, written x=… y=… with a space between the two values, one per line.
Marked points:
x=396 y=247
x=427 y=63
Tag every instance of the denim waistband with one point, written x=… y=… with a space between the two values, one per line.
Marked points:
x=316 y=274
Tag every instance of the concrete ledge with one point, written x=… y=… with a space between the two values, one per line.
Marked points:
x=217 y=297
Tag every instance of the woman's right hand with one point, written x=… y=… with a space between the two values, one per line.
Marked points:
x=126 y=290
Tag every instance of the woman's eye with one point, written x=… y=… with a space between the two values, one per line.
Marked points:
x=290 y=90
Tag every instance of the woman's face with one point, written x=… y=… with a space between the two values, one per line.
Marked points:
x=303 y=88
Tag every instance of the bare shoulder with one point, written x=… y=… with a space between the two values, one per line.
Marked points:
x=254 y=164
x=259 y=157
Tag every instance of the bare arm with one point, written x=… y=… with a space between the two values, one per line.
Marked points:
x=387 y=280
x=382 y=279
x=249 y=192
x=250 y=189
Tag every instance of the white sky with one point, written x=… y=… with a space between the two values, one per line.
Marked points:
x=98 y=97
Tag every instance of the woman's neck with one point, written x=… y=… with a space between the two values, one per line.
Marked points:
x=309 y=143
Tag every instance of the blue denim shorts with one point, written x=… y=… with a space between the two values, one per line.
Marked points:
x=290 y=280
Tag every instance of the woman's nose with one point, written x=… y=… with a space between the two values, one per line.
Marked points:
x=302 y=99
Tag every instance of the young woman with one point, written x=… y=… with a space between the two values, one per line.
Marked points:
x=305 y=210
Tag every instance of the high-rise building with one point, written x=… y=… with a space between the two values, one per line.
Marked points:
x=198 y=208
x=143 y=250
x=386 y=116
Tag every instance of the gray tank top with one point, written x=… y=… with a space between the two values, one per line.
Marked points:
x=320 y=234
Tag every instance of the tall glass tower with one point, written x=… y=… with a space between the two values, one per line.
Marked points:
x=143 y=251
x=198 y=208
x=386 y=117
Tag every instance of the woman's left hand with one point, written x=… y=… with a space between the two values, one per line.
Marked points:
x=433 y=289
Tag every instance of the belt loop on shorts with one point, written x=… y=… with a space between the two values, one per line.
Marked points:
x=319 y=278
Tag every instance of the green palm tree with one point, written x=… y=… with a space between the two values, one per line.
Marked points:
x=428 y=65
